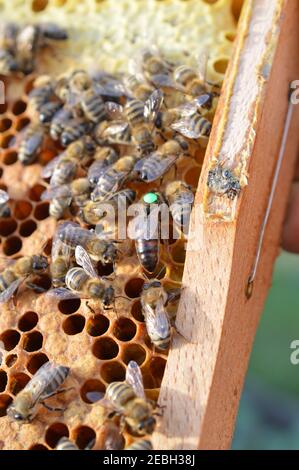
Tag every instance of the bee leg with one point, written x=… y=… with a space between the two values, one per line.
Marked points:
x=51 y=408
x=58 y=392
x=122 y=424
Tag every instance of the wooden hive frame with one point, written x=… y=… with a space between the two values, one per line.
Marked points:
x=207 y=363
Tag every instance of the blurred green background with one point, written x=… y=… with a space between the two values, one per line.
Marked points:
x=269 y=410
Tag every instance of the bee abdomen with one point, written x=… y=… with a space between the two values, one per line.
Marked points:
x=48 y=111
x=135 y=112
x=59 y=122
x=55 y=377
x=57 y=207
x=64 y=173
x=183 y=74
x=120 y=393
x=148 y=253
x=73 y=131
x=76 y=278
x=30 y=146
x=94 y=108
x=202 y=126
x=65 y=444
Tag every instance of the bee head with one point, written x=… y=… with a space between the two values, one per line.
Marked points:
x=152 y=284
x=109 y=254
x=21 y=410
x=146 y=426
x=39 y=263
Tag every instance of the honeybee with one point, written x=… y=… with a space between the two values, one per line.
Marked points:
x=8 y=62
x=31 y=143
x=73 y=130
x=85 y=282
x=155 y=165
x=15 y=273
x=128 y=400
x=62 y=196
x=145 y=229
x=27 y=43
x=222 y=181
x=59 y=122
x=99 y=249
x=153 y=300
x=60 y=261
x=193 y=79
x=180 y=198
x=103 y=158
x=65 y=443
x=193 y=126
x=115 y=132
x=166 y=118
x=142 y=444
x=143 y=140
x=4 y=208
x=43 y=385
x=92 y=212
x=62 y=168
x=42 y=92
x=113 y=178
x=93 y=106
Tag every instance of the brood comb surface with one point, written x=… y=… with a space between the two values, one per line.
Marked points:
x=97 y=346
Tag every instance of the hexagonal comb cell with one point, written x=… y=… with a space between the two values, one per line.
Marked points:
x=96 y=345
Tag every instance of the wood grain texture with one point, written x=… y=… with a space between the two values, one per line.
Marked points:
x=208 y=360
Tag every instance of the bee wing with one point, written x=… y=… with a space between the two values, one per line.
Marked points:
x=184 y=127
x=4 y=197
x=84 y=260
x=157 y=321
x=47 y=171
x=57 y=192
x=115 y=128
x=114 y=110
x=188 y=109
x=201 y=100
x=8 y=293
x=40 y=381
x=158 y=167
x=61 y=293
x=114 y=89
x=165 y=81
x=59 y=248
x=134 y=378
x=153 y=105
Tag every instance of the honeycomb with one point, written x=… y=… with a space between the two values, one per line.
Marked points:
x=96 y=345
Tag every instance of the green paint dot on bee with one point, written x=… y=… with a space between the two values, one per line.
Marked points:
x=150 y=198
